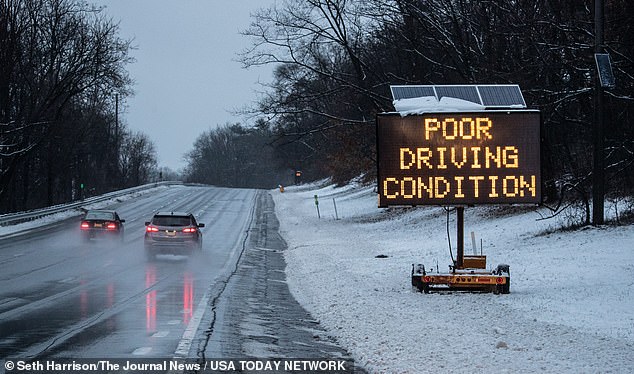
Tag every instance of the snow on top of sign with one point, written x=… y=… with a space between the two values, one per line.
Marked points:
x=427 y=104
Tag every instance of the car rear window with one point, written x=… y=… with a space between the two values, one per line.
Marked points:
x=100 y=215
x=171 y=221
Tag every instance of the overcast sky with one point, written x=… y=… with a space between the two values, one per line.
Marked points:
x=186 y=77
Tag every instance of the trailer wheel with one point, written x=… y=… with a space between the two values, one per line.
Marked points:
x=421 y=287
x=506 y=288
x=418 y=283
x=503 y=289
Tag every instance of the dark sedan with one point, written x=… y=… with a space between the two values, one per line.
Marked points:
x=102 y=224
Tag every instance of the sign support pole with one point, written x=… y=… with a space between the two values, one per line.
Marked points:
x=460 y=255
x=598 y=173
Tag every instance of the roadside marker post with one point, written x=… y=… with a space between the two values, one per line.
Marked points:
x=317 y=205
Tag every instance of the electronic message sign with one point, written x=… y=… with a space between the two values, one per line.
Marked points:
x=487 y=157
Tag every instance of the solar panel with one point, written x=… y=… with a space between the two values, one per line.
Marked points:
x=501 y=96
x=408 y=92
x=490 y=95
x=604 y=68
x=468 y=93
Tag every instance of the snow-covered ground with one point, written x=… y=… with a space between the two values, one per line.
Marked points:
x=570 y=310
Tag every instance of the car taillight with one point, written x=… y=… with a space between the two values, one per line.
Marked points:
x=111 y=226
x=189 y=230
x=85 y=225
x=151 y=229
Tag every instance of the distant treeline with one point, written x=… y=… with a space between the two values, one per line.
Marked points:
x=335 y=60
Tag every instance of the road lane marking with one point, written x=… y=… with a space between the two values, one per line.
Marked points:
x=160 y=334
x=142 y=351
x=182 y=351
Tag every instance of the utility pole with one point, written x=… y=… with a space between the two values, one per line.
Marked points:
x=116 y=117
x=598 y=175
x=116 y=139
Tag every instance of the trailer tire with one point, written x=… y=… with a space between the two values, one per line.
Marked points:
x=506 y=288
x=418 y=283
x=503 y=289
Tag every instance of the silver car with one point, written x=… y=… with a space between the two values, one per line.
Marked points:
x=175 y=233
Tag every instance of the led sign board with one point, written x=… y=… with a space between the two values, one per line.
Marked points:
x=487 y=157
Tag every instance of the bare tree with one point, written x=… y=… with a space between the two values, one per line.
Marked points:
x=338 y=57
x=318 y=40
x=59 y=55
x=137 y=161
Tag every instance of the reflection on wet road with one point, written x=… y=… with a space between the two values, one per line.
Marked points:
x=60 y=297
x=186 y=307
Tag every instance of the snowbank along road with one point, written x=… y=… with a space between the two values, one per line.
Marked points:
x=570 y=310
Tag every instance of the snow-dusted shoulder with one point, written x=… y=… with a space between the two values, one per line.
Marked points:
x=571 y=306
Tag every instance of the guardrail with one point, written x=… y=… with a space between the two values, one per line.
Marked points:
x=15 y=218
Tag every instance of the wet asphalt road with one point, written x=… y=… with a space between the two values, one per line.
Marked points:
x=60 y=297
x=256 y=315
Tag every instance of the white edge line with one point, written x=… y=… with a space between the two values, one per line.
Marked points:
x=190 y=332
